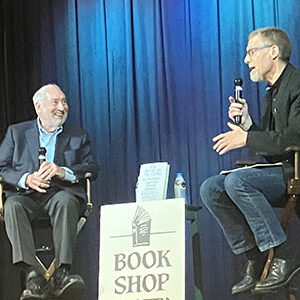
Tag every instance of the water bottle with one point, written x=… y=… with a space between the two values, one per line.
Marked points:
x=180 y=187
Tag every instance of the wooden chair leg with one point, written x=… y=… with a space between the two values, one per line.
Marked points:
x=267 y=264
x=1 y=200
x=289 y=210
x=49 y=272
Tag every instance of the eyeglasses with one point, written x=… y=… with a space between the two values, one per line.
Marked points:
x=251 y=51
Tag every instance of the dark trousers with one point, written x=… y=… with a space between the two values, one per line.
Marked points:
x=20 y=210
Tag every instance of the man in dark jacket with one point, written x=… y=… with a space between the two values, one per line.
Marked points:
x=54 y=187
x=241 y=201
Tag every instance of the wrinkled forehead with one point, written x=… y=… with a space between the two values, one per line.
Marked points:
x=53 y=92
x=255 y=41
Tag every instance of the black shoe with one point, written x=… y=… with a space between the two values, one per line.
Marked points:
x=280 y=273
x=67 y=286
x=251 y=276
x=37 y=287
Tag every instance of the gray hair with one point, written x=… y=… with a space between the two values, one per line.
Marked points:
x=42 y=93
x=277 y=37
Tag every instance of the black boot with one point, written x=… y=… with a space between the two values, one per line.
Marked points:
x=280 y=273
x=254 y=267
x=284 y=266
x=37 y=287
x=251 y=276
x=67 y=286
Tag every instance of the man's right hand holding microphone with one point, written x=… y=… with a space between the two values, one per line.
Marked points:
x=237 y=136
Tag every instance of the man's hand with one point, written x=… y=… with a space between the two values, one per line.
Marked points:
x=236 y=138
x=240 y=109
x=36 y=182
x=49 y=169
x=40 y=180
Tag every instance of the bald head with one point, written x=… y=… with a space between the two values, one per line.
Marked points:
x=42 y=93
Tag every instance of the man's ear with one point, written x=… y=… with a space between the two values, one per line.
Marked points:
x=275 y=52
x=37 y=106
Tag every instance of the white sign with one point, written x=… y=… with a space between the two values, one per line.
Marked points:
x=142 y=251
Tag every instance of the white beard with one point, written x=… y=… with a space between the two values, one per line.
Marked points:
x=255 y=76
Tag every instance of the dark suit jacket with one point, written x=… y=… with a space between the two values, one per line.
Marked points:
x=286 y=110
x=19 y=155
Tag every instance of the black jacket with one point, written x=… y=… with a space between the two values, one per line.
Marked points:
x=286 y=112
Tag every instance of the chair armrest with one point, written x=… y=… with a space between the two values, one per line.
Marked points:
x=1 y=199
x=293 y=148
x=296 y=150
x=89 y=204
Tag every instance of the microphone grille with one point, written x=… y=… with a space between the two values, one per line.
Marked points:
x=238 y=81
x=42 y=151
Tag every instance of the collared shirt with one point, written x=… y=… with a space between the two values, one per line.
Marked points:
x=48 y=141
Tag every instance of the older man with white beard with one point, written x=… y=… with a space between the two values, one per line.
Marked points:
x=241 y=201
x=55 y=188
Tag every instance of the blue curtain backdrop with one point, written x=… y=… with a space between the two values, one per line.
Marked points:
x=150 y=81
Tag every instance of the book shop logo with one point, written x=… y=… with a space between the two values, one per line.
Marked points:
x=141 y=228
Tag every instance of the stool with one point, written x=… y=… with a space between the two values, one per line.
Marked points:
x=293 y=192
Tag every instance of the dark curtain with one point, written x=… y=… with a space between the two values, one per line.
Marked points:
x=149 y=80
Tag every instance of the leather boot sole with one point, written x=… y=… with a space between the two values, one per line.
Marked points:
x=244 y=289
x=32 y=297
x=71 y=291
x=28 y=295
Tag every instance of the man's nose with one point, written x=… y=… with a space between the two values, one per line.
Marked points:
x=61 y=105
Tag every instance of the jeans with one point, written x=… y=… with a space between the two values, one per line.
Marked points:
x=241 y=204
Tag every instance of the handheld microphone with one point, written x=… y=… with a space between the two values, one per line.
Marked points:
x=42 y=155
x=238 y=82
